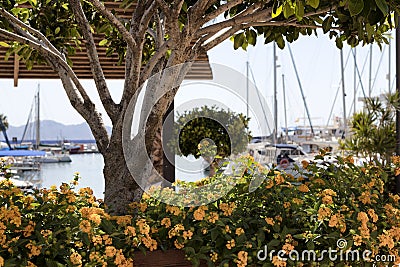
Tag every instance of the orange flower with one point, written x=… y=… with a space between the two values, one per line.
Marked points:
x=230 y=244
x=303 y=188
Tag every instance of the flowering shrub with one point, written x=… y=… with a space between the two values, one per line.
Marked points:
x=341 y=202
x=61 y=227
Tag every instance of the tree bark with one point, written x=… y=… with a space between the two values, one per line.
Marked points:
x=120 y=187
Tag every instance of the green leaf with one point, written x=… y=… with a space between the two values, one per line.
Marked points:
x=4 y=44
x=238 y=40
x=288 y=10
x=103 y=42
x=278 y=12
x=57 y=30
x=382 y=5
x=280 y=42
x=299 y=10
x=313 y=3
x=355 y=7
x=339 y=43
x=251 y=36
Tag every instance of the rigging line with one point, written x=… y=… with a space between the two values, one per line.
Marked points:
x=259 y=98
x=337 y=91
x=359 y=76
x=27 y=123
x=394 y=80
x=379 y=66
x=301 y=89
x=360 y=82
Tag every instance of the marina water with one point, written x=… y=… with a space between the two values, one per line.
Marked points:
x=90 y=168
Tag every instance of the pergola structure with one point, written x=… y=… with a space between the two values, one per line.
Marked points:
x=15 y=69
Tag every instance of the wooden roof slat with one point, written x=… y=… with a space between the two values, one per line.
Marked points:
x=14 y=69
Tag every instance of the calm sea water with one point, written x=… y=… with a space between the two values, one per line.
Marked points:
x=90 y=168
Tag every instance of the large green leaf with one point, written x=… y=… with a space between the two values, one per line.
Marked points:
x=382 y=5
x=313 y=3
x=238 y=40
x=277 y=12
x=355 y=7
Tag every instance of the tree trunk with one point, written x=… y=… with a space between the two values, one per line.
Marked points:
x=120 y=187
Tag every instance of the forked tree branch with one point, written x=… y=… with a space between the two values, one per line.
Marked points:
x=29 y=29
x=153 y=61
x=97 y=71
x=77 y=96
x=114 y=21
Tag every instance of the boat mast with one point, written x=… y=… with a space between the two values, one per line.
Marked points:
x=343 y=91
x=370 y=71
x=37 y=118
x=355 y=81
x=247 y=89
x=390 y=65
x=284 y=108
x=275 y=136
x=301 y=90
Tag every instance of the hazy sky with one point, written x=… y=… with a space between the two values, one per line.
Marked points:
x=318 y=64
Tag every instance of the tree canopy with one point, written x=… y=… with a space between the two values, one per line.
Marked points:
x=226 y=129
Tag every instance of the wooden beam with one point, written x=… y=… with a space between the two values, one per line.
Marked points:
x=16 y=70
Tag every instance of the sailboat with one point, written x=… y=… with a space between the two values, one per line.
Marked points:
x=53 y=154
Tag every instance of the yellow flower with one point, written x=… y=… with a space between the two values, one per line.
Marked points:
x=239 y=231
x=199 y=214
x=269 y=221
x=373 y=215
x=362 y=217
x=297 y=201
x=324 y=212
x=30 y=264
x=227 y=229
x=29 y=229
x=242 y=259
x=214 y=256
x=166 y=222
x=286 y=205
x=144 y=228
x=1 y=261
x=34 y=250
x=150 y=243
x=85 y=226
x=46 y=233
x=357 y=240
x=97 y=240
x=386 y=240
x=95 y=218
x=227 y=209
x=278 y=262
x=75 y=258
x=303 y=188
x=107 y=240
x=279 y=179
x=110 y=251
x=213 y=217
x=230 y=244
x=187 y=234
x=173 y=210
x=270 y=184
x=288 y=248
x=130 y=230
x=178 y=245
x=123 y=220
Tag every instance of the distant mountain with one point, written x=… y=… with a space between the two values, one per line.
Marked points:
x=52 y=130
